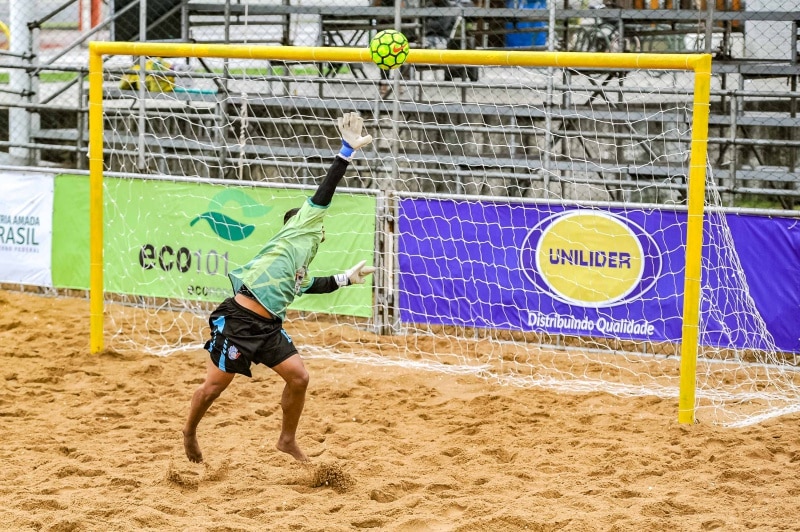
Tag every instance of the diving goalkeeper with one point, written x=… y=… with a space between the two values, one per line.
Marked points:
x=248 y=327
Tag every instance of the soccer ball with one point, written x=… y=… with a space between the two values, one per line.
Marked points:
x=389 y=49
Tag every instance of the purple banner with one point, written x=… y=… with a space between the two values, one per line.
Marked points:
x=596 y=272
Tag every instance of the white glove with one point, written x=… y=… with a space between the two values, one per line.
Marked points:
x=350 y=126
x=354 y=275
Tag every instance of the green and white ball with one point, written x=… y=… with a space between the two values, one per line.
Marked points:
x=389 y=49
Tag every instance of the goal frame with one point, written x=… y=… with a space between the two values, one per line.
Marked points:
x=699 y=64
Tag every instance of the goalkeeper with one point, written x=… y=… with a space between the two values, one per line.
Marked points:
x=248 y=328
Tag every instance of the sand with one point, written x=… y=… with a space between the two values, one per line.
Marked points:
x=92 y=442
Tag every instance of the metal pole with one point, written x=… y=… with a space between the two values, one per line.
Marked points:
x=96 y=168
x=96 y=14
x=140 y=161
x=19 y=119
x=694 y=241
x=709 y=26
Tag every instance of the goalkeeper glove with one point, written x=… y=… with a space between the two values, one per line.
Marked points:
x=354 y=275
x=350 y=126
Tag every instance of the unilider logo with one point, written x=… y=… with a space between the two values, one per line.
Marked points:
x=590 y=258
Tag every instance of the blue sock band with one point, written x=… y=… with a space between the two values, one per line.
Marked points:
x=347 y=150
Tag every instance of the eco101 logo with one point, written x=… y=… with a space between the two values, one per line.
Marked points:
x=183 y=260
x=590 y=258
x=204 y=251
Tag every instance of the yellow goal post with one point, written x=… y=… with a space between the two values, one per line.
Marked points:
x=699 y=64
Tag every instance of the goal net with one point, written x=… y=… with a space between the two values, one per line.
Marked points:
x=537 y=219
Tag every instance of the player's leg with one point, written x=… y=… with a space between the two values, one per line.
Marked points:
x=293 y=399
x=202 y=399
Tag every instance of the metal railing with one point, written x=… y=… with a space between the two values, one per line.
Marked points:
x=754 y=137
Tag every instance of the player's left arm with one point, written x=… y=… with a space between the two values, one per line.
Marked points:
x=325 y=285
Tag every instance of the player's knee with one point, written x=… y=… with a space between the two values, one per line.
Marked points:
x=299 y=380
x=212 y=390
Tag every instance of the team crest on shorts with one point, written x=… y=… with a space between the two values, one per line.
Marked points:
x=233 y=353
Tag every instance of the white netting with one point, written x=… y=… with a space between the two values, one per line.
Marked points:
x=465 y=185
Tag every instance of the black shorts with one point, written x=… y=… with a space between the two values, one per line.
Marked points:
x=240 y=337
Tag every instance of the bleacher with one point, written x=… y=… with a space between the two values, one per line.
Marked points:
x=740 y=127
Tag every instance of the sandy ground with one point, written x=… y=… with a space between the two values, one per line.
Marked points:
x=93 y=443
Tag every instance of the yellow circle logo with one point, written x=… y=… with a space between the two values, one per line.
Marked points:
x=591 y=258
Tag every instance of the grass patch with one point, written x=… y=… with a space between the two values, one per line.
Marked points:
x=60 y=26
x=765 y=202
x=45 y=77
x=272 y=71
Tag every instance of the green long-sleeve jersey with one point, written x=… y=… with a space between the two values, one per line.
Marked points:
x=278 y=273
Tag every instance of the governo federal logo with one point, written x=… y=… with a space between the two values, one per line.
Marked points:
x=590 y=258
x=227 y=227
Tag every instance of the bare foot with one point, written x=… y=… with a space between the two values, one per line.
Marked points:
x=293 y=449
x=192 y=448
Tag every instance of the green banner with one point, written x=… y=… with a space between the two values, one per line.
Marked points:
x=71 y=232
x=180 y=240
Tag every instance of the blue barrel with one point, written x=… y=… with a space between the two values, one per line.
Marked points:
x=526 y=39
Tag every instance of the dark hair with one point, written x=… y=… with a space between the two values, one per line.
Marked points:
x=290 y=213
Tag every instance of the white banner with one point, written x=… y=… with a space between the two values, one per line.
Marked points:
x=26 y=227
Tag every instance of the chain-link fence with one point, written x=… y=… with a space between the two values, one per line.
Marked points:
x=754 y=127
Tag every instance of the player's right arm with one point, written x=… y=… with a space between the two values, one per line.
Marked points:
x=351 y=126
